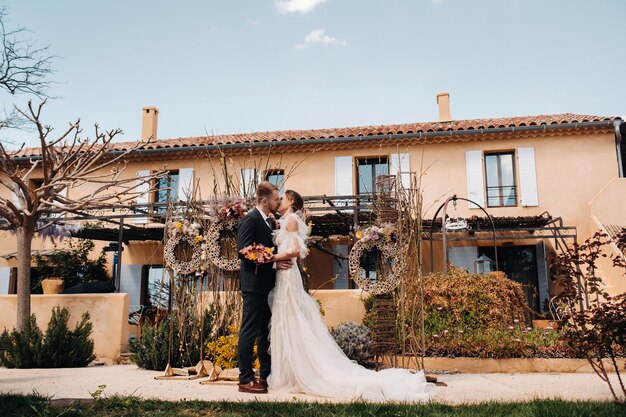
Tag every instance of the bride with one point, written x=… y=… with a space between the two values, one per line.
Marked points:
x=305 y=357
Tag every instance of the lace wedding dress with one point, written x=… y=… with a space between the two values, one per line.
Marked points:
x=305 y=357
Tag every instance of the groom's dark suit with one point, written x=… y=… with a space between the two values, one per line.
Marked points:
x=256 y=283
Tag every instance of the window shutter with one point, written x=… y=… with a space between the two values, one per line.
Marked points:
x=475 y=179
x=5 y=280
x=527 y=177
x=15 y=199
x=542 y=275
x=343 y=175
x=246 y=186
x=130 y=282
x=400 y=164
x=185 y=183
x=63 y=194
x=142 y=198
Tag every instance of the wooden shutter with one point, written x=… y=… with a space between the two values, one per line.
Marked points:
x=246 y=186
x=527 y=177
x=185 y=183
x=63 y=194
x=399 y=163
x=343 y=175
x=143 y=198
x=475 y=178
x=542 y=275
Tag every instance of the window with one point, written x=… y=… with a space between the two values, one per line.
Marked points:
x=276 y=177
x=166 y=191
x=155 y=286
x=368 y=170
x=500 y=176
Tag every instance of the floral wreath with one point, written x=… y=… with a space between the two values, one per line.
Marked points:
x=225 y=218
x=384 y=238
x=212 y=244
x=182 y=230
x=175 y=264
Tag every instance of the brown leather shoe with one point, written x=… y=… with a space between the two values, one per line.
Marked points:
x=253 y=387
x=263 y=382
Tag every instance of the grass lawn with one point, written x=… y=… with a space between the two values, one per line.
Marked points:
x=33 y=405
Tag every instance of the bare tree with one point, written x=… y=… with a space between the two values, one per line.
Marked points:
x=24 y=68
x=66 y=162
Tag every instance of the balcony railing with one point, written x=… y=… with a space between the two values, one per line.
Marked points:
x=502 y=196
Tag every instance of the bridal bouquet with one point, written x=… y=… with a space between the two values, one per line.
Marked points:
x=258 y=254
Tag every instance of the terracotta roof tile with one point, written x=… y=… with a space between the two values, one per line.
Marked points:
x=287 y=135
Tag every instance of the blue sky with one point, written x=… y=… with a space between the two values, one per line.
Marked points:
x=257 y=65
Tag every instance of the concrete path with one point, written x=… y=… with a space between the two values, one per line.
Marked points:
x=130 y=380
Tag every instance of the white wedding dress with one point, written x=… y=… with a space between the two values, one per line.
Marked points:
x=305 y=357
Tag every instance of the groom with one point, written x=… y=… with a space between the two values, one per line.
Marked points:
x=256 y=283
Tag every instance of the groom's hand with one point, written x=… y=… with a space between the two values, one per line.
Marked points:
x=283 y=264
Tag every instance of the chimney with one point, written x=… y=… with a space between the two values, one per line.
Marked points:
x=443 y=101
x=149 y=120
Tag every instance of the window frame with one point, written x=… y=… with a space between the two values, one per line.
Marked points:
x=144 y=290
x=501 y=197
x=358 y=164
x=275 y=172
x=154 y=195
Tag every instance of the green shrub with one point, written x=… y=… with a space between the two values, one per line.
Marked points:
x=477 y=315
x=152 y=349
x=58 y=348
x=355 y=341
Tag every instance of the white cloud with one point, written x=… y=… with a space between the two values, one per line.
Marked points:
x=252 y=22
x=318 y=37
x=300 y=6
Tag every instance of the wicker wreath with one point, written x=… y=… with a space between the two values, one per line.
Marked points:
x=214 y=251
x=389 y=250
x=180 y=266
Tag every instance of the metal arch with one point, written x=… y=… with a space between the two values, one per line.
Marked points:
x=444 y=206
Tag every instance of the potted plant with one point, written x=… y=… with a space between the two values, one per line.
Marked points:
x=52 y=285
x=541 y=322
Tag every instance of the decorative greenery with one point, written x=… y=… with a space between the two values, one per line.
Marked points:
x=223 y=350
x=355 y=341
x=151 y=349
x=58 y=348
x=596 y=321
x=387 y=232
x=478 y=315
x=72 y=264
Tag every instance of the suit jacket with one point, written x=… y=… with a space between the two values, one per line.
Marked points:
x=255 y=278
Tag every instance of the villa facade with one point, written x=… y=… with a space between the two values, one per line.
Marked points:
x=564 y=172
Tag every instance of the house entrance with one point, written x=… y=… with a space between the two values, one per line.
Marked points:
x=519 y=263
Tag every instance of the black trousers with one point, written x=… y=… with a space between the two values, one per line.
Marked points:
x=255 y=323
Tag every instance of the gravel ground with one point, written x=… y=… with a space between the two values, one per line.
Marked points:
x=130 y=380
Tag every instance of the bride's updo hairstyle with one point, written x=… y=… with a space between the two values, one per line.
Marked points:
x=297 y=203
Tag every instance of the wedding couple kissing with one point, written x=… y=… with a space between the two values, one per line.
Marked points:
x=302 y=356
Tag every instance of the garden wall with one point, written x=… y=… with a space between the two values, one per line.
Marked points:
x=341 y=306
x=109 y=315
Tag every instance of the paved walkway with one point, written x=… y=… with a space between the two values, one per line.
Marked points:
x=130 y=380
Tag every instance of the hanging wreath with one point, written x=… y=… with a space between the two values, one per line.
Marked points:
x=213 y=247
x=175 y=249
x=384 y=239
